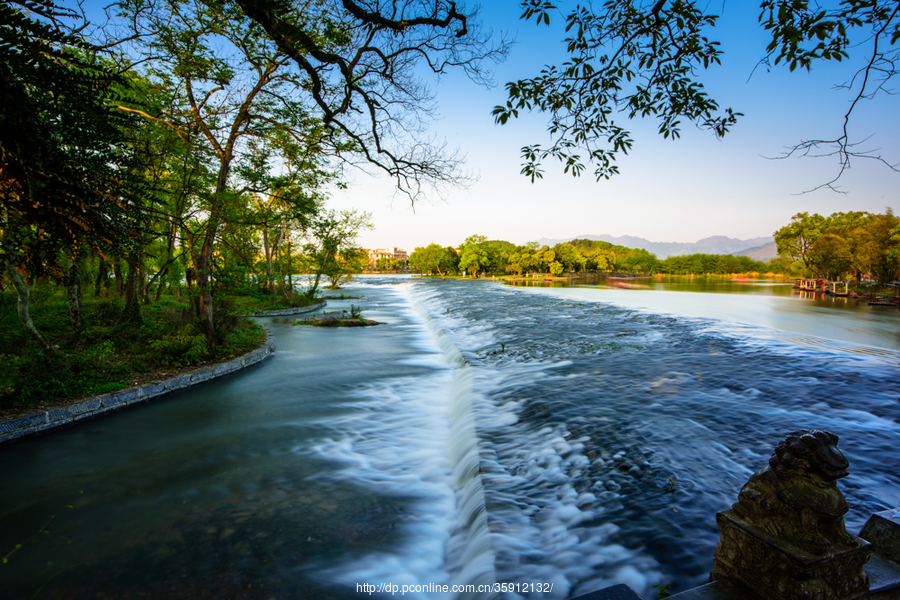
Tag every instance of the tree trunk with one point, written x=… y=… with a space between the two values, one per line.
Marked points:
x=132 y=310
x=204 y=263
x=22 y=306
x=102 y=277
x=290 y=274
x=117 y=271
x=311 y=293
x=192 y=297
x=73 y=291
x=170 y=256
x=268 y=252
x=144 y=284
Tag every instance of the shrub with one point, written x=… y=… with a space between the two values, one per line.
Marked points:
x=183 y=348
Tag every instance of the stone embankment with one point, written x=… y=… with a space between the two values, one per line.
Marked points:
x=288 y=311
x=23 y=425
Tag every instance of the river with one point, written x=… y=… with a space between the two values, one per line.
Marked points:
x=573 y=437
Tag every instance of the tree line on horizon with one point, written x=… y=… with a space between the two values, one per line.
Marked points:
x=854 y=244
x=479 y=256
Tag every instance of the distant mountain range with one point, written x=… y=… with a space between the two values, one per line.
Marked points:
x=764 y=253
x=761 y=248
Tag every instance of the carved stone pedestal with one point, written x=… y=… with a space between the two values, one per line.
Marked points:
x=778 y=570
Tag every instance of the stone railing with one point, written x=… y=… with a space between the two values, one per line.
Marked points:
x=34 y=422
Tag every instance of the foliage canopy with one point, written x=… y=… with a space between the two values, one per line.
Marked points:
x=648 y=59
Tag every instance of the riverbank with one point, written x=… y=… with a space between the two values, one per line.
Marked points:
x=18 y=424
x=106 y=350
x=282 y=312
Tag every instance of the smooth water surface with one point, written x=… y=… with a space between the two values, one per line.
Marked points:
x=484 y=434
x=758 y=302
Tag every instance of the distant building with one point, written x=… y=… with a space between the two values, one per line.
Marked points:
x=392 y=253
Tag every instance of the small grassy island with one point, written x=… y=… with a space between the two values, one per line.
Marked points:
x=353 y=318
x=337 y=322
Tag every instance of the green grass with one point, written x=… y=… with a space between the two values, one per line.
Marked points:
x=105 y=355
x=337 y=322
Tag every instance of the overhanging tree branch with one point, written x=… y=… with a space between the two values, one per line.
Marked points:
x=359 y=58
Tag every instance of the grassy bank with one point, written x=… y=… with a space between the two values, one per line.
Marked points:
x=109 y=354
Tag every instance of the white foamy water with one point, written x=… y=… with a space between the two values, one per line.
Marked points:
x=415 y=437
x=542 y=530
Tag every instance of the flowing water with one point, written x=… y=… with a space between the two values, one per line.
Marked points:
x=562 y=439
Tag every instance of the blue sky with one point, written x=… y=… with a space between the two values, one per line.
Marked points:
x=679 y=191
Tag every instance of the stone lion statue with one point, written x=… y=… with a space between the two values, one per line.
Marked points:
x=796 y=498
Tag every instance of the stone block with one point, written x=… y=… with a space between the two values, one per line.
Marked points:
x=152 y=389
x=882 y=530
x=884 y=579
x=180 y=382
x=86 y=407
x=55 y=415
x=117 y=399
x=23 y=422
x=778 y=570
x=216 y=370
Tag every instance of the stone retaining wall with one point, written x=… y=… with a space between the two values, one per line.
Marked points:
x=287 y=311
x=35 y=422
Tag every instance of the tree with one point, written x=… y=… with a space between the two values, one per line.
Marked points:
x=348 y=262
x=362 y=59
x=233 y=84
x=286 y=202
x=601 y=259
x=390 y=264
x=646 y=59
x=852 y=241
x=556 y=268
x=517 y=261
x=433 y=259
x=569 y=257
x=474 y=255
x=68 y=182
x=330 y=241
x=796 y=239
x=884 y=255
x=831 y=255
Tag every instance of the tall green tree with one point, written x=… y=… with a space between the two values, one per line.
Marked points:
x=474 y=255
x=884 y=250
x=331 y=243
x=433 y=259
x=68 y=180
x=233 y=84
x=795 y=240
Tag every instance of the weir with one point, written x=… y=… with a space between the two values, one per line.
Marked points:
x=470 y=555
